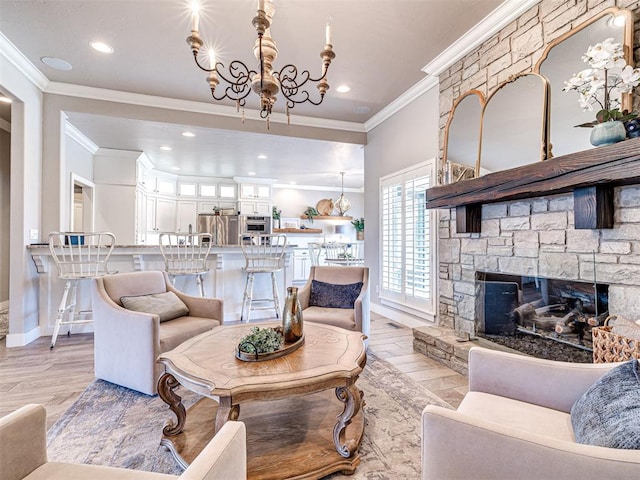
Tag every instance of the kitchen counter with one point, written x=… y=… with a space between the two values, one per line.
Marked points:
x=224 y=280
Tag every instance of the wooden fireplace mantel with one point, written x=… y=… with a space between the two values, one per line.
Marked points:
x=591 y=175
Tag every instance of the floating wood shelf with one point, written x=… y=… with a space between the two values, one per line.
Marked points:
x=326 y=217
x=590 y=175
x=297 y=230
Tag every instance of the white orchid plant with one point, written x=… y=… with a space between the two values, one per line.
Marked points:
x=608 y=74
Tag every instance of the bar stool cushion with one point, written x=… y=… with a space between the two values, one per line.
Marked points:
x=330 y=295
x=167 y=305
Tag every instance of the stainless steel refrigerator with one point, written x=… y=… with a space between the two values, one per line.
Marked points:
x=222 y=228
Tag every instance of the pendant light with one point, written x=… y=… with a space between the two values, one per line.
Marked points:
x=342 y=204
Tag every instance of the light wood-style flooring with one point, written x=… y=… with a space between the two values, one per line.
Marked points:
x=36 y=374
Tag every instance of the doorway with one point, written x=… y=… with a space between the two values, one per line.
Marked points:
x=82 y=204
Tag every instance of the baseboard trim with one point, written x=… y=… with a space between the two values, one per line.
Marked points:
x=22 y=339
x=400 y=317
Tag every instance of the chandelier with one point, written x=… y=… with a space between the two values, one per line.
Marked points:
x=239 y=80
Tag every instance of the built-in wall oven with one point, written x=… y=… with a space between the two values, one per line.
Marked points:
x=253 y=224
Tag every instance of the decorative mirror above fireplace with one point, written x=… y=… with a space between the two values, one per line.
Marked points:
x=514 y=123
x=462 y=137
x=562 y=59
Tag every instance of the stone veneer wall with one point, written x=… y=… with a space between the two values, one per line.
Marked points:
x=534 y=237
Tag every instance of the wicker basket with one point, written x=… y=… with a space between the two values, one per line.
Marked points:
x=611 y=347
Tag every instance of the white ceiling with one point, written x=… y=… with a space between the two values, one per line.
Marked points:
x=380 y=45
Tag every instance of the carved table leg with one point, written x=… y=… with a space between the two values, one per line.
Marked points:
x=166 y=384
x=226 y=411
x=351 y=396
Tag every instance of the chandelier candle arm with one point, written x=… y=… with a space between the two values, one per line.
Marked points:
x=266 y=83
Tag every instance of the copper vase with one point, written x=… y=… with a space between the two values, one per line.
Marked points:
x=292 y=316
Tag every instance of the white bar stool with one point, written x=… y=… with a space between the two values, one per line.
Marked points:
x=263 y=253
x=186 y=254
x=78 y=256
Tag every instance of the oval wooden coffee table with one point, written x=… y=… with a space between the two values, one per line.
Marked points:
x=296 y=426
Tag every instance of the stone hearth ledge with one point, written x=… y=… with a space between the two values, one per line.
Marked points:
x=444 y=346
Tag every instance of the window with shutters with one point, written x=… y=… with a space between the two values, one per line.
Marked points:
x=407 y=254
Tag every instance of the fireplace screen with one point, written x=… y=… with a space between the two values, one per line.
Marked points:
x=560 y=310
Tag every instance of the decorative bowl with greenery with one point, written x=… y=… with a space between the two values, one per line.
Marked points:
x=264 y=340
x=358 y=224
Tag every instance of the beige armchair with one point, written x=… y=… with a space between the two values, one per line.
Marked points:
x=356 y=318
x=23 y=454
x=515 y=423
x=128 y=342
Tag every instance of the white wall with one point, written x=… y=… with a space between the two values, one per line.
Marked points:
x=407 y=138
x=293 y=202
x=5 y=203
x=26 y=198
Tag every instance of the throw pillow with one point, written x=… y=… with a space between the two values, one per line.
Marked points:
x=330 y=295
x=168 y=305
x=608 y=414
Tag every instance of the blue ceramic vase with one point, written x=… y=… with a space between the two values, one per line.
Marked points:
x=607 y=133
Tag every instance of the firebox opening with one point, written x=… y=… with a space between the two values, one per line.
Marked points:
x=560 y=310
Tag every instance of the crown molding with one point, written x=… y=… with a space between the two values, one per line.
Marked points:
x=80 y=138
x=402 y=101
x=321 y=188
x=505 y=13
x=16 y=58
x=81 y=91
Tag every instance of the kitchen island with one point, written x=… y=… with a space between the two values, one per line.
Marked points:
x=224 y=280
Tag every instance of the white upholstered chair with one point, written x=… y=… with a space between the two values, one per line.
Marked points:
x=515 y=422
x=23 y=454
x=127 y=342
x=78 y=256
x=357 y=317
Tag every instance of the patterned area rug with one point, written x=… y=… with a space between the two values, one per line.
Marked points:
x=112 y=425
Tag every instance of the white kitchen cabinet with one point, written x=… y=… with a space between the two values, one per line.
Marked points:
x=209 y=207
x=187 y=189
x=254 y=208
x=301 y=265
x=248 y=190
x=161 y=214
x=186 y=214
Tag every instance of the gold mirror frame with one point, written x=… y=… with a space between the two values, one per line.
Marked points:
x=627 y=43
x=454 y=171
x=544 y=110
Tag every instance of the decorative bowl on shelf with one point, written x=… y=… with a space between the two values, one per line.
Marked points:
x=325 y=207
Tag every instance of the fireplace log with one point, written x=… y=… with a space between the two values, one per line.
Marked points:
x=560 y=329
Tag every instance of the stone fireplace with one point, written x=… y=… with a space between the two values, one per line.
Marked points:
x=536 y=238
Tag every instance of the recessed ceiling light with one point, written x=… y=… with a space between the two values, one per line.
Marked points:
x=4 y=99
x=102 y=47
x=166 y=148
x=176 y=169
x=343 y=88
x=292 y=183
x=361 y=109
x=262 y=157
x=251 y=173
x=188 y=134
x=56 y=63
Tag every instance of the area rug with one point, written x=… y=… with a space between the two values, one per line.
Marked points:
x=112 y=425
